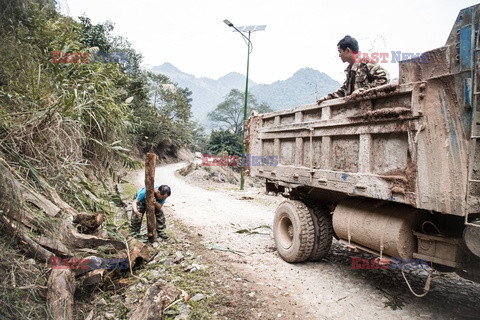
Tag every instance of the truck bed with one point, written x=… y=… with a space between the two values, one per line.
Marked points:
x=399 y=142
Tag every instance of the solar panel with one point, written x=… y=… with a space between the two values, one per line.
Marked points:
x=250 y=28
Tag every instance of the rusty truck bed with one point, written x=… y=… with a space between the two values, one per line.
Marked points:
x=413 y=142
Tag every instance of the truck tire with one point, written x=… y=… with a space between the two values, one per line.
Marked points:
x=322 y=222
x=293 y=231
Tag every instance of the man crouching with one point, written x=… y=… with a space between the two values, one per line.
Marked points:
x=161 y=193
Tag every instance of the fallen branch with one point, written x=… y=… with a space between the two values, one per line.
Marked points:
x=79 y=240
x=30 y=221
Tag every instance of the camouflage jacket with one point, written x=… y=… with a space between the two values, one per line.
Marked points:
x=360 y=76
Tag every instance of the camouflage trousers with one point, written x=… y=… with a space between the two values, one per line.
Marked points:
x=136 y=222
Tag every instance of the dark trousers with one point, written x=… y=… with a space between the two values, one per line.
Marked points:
x=136 y=222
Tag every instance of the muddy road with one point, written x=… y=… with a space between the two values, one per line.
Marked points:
x=331 y=289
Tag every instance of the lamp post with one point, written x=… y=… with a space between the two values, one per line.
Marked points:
x=241 y=30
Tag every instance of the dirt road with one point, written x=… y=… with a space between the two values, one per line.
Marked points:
x=325 y=290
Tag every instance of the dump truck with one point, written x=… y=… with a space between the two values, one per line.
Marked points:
x=393 y=171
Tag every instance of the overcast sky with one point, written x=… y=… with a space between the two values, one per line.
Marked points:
x=191 y=34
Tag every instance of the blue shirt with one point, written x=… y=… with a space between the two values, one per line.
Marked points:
x=141 y=194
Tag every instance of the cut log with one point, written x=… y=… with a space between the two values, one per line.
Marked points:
x=94 y=277
x=138 y=251
x=73 y=239
x=61 y=287
x=54 y=245
x=150 y=163
x=40 y=202
x=88 y=223
x=34 y=249
x=156 y=299
x=27 y=219
x=79 y=240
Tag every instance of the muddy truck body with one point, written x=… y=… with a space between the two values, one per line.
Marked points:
x=394 y=170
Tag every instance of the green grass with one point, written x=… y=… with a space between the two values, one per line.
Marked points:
x=129 y=189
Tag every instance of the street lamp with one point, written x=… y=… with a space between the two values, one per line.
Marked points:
x=241 y=30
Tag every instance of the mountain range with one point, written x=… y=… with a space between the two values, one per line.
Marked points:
x=303 y=87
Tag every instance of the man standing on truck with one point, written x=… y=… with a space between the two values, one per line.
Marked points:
x=361 y=74
x=161 y=193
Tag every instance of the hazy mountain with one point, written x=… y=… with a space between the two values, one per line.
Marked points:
x=206 y=93
x=304 y=87
x=236 y=80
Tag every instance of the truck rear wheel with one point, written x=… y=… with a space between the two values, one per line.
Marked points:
x=322 y=222
x=293 y=231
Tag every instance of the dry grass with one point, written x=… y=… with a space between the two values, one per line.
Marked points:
x=23 y=284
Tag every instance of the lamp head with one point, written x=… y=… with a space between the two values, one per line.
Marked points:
x=228 y=23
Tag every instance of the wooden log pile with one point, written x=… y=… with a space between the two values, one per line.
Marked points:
x=78 y=233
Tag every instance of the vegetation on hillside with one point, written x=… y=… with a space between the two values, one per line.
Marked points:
x=63 y=122
x=69 y=125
